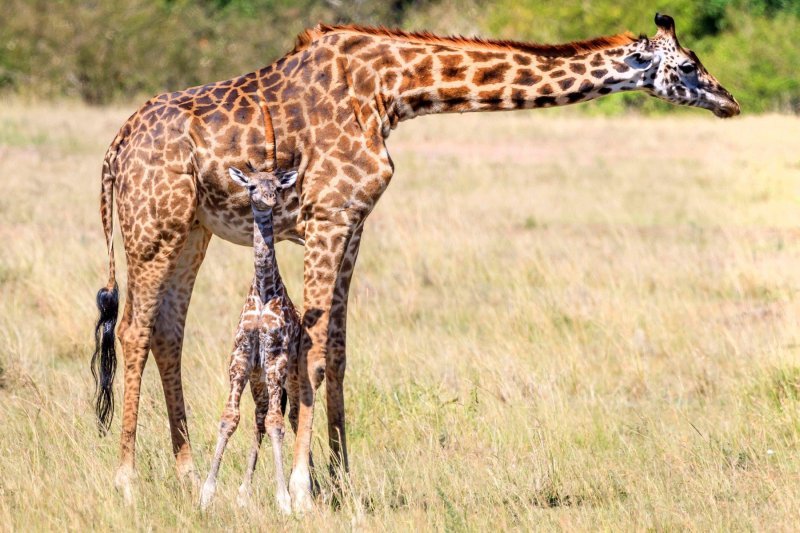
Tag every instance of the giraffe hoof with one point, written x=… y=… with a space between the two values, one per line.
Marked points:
x=207 y=495
x=284 y=503
x=302 y=503
x=300 y=491
x=190 y=479
x=243 y=498
x=123 y=481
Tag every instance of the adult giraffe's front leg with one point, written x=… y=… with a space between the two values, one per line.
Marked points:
x=327 y=242
x=337 y=359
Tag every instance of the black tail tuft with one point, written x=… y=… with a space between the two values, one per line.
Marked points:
x=104 y=359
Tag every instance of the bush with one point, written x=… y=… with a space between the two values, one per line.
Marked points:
x=102 y=50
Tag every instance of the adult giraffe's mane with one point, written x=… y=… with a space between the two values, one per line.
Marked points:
x=308 y=36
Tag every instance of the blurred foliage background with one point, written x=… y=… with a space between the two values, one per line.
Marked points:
x=106 y=50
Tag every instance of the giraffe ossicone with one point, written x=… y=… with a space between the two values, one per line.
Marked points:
x=324 y=109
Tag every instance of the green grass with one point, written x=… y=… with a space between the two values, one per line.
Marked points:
x=557 y=322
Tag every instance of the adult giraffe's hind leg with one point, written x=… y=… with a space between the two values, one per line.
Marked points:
x=153 y=245
x=167 y=344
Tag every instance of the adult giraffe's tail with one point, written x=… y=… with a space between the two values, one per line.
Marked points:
x=104 y=359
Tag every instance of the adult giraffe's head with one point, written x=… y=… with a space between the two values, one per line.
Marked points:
x=676 y=75
x=263 y=186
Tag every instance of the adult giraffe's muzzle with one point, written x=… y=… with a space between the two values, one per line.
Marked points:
x=722 y=103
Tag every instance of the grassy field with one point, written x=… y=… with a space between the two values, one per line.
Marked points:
x=556 y=322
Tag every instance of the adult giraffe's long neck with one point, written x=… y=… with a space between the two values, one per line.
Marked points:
x=268 y=278
x=463 y=77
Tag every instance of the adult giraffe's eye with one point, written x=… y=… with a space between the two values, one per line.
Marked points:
x=687 y=68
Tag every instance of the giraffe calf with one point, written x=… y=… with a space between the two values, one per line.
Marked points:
x=265 y=346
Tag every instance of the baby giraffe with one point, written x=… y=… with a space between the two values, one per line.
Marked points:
x=265 y=344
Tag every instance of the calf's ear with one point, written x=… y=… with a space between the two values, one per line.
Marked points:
x=288 y=179
x=238 y=176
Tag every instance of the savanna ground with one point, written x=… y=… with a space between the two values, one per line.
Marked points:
x=557 y=322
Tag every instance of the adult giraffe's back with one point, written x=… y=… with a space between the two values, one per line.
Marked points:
x=333 y=101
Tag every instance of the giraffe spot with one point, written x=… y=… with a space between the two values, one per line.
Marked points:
x=274 y=78
x=385 y=61
x=526 y=77
x=408 y=54
x=544 y=101
x=489 y=75
x=216 y=118
x=322 y=55
x=423 y=72
x=522 y=59
x=604 y=90
x=390 y=78
x=558 y=73
x=597 y=60
x=220 y=93
x=621 y=67
x=290 y=66
x=599 y=73
x=171 y=113
x=546 y=89
x=586 y=86
x=351 y=44
x=454 y=73
x=203 y=109
x=482 y=57
x=491 y=97
x=451 y=67
x=323 y=78
x=440 y=48
x=255 y=137
x=577 y=68
x=547 y=64
x=454 y=96
x=420 y=102
x=575 y=97
x=294 y=117
x=251 y=87
x=518 y=98
x=365 y=163
x=566 y=83
x=228 y=105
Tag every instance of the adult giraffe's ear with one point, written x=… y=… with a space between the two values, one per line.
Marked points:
x=239 y=177
x=287 y=179
x=640 y=60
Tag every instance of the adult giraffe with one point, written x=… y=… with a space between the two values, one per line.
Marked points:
x=333 y=101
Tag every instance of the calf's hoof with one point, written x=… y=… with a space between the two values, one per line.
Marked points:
x=207 y=494
x=123 y=481
x=243 y=498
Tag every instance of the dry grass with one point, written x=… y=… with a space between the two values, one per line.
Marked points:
x=556 y=322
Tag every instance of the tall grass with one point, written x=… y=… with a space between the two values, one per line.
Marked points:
x=556 y=323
